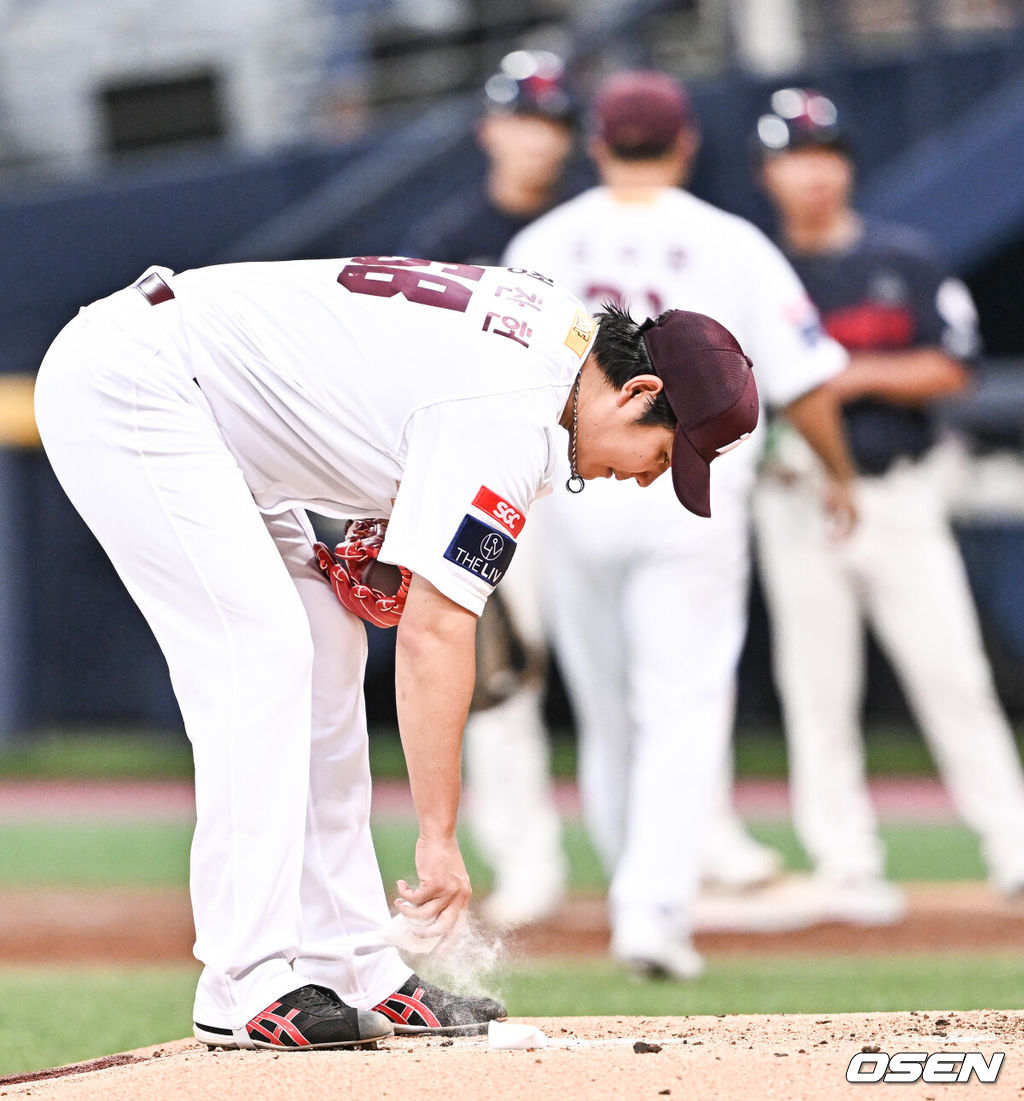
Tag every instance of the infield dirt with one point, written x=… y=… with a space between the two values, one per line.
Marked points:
x=791 y=1057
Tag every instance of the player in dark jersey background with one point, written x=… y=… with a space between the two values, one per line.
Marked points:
x=910 y=328
x=526 y=135
x=882 y=294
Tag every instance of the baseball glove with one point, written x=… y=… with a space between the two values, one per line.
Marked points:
x=373 y=590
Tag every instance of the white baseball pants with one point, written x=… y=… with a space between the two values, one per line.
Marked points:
x=902 y=573
x=266 y=666
x=649 y=615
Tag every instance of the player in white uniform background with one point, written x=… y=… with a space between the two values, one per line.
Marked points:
x=192 y=419
x=649 y=608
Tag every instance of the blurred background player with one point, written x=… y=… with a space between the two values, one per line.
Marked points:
x=526 y=134
x=909 y=327
x=648 y=613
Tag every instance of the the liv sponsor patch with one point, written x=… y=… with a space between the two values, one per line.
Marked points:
x=481 y=549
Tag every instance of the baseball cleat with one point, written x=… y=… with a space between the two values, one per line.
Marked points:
x=651 y=951
x=675 y=961
x=307 y=1018
x=420 y=1008
x=1009 y=882
x=784 y=905
x=744 y=864
x=863 y=901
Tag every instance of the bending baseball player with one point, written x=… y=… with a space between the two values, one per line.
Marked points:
x=193 y=418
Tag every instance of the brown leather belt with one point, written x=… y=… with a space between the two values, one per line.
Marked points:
x=154 y=289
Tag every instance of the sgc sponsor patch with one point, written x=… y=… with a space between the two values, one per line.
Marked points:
x=499 y=509
x=481 y=549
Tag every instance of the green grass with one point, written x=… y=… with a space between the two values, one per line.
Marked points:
x=889 y=751
x=939 y=852
x=95 y=854
x=394 y=841
x=52 y=1016
x=48 y=1015
x=145 y=854
x=758 y=984
x=96 y=753
x=933 y=852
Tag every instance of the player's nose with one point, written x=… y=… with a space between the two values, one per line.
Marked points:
x=649 y=476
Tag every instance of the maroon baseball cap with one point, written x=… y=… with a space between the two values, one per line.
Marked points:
x=710 y=385
x=641 y=110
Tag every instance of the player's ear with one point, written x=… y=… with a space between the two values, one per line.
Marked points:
x=598 y=151
x=483 y=130
x=760 y=174
x=639 y=386
x=689 y=142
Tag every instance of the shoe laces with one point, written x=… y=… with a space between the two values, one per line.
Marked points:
x=314 y=999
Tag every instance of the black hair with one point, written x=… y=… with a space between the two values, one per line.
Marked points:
x=621 y=353
x=650 y=151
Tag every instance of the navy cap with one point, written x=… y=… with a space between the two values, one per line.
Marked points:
x=531 y=82
x=800 y=118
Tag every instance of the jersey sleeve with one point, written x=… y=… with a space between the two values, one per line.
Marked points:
x=791 y=352
x=470 y=478
x=960 y=338
x=944 y=311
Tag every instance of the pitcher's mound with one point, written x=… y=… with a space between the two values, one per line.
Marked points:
x=786 y=1056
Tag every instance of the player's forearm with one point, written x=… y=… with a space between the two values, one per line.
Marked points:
x=434 y=671
x=903 y=378
x=816 y=416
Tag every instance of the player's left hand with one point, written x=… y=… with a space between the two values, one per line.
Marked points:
x=841 y=509
x=440 y=902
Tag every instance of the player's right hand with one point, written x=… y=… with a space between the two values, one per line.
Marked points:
x=841 y=508
x=441 y=900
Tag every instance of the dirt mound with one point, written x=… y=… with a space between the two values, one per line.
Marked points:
x=783 y=1056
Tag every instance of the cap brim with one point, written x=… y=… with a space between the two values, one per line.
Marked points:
x=691 y=476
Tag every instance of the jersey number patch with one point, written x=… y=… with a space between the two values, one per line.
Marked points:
x=386 y=276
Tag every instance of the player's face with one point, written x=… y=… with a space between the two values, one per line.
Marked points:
x=610 y=443
x=808 y=184
x=526 y=148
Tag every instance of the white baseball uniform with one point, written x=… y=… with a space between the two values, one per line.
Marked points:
x=192 y=434
x=648 y=601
